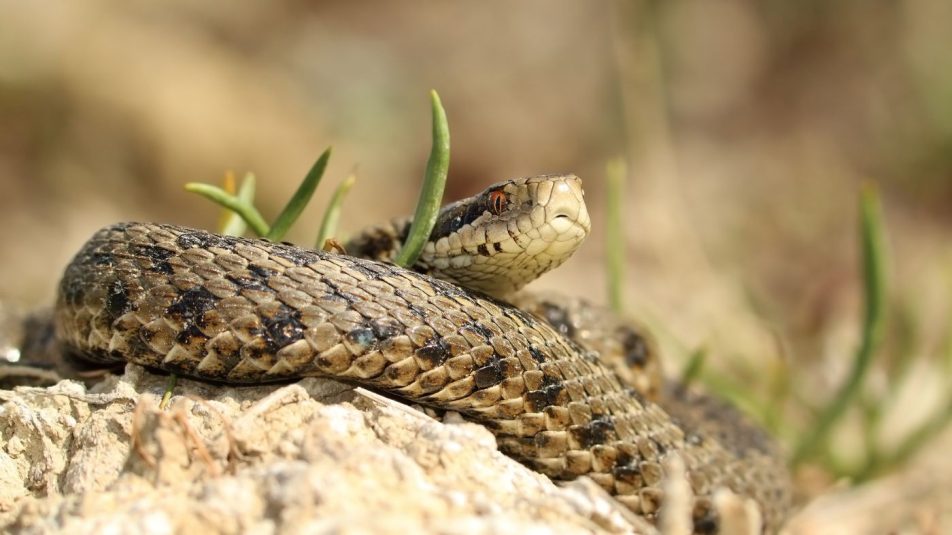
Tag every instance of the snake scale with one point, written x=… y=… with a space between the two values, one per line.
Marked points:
x=241 y=310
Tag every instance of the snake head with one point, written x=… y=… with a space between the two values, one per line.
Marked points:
x=503 y=238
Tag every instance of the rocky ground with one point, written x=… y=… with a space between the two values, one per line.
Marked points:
x=320 y=457
x=314 y=456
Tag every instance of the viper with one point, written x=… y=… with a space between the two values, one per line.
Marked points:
x=568 y=389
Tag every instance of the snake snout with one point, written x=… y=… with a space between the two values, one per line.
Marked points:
x=565 y=209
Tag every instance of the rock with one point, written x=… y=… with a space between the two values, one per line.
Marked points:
x=314 y=456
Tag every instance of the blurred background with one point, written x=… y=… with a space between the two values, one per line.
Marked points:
x=749 y=128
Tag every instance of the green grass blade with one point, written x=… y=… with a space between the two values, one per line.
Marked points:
x=233 y=224
x=431 y=195
x=332 y=213
x=245 y=210
x=168 y=392
x=299 y=200
x=614 y=234
x=874 y=278
x=692 y=370
x=779 y=394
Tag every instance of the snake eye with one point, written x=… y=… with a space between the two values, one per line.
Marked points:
x=497 y=201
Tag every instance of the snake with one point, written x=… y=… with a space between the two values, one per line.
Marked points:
x=567 y=389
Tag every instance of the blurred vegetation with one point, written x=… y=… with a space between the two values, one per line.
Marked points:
x=852 y=417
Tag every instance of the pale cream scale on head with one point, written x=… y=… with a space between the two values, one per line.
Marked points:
x=508 y=235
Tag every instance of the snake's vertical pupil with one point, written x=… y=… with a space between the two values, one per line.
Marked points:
x=497 y=201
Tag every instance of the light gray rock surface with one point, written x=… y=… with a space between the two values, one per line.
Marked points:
x=314 y=456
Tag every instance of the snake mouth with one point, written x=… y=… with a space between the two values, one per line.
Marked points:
x=565 y=224
x=565 y=209
x=566 y=227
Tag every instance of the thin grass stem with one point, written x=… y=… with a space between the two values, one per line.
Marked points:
x=332 y=213
x=292 y=210
x=614 y=233
x=431 y=195
x=874 y=279
x=692 y=370
x=244 y=209
x=233 y=224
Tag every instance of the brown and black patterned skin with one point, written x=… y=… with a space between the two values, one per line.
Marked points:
x=240 y=310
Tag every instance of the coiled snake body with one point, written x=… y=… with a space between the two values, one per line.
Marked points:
x=243 y=310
